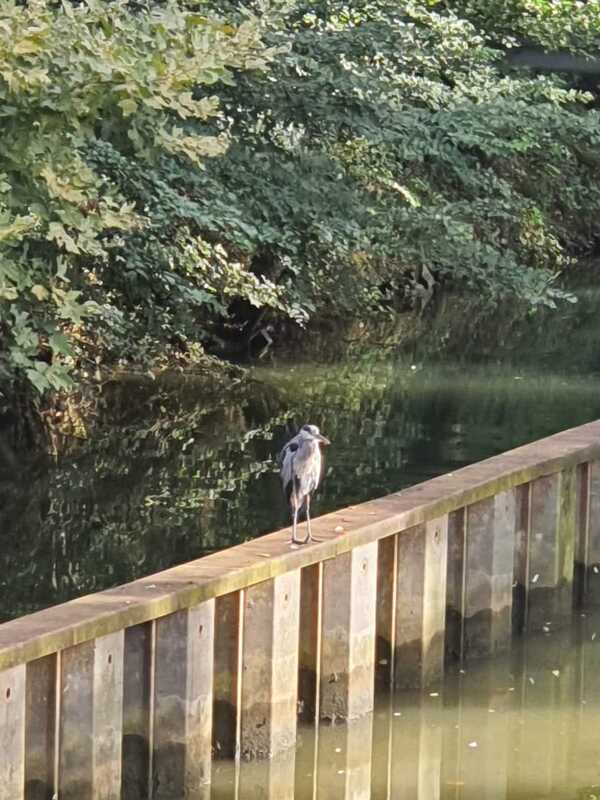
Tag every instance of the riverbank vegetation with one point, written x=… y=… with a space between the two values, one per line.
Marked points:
x=177 y=176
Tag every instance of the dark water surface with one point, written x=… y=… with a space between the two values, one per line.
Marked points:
x=174 y=476
x=522 y=727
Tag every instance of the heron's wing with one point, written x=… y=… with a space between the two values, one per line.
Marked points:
x=287 y=465
x=321 y=470
x=293 y=444
x=281 y=455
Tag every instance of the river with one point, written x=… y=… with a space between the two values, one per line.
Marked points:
x=172 y=473
x=173 y=476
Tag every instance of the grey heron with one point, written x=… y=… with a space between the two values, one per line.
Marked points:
x=300 y=468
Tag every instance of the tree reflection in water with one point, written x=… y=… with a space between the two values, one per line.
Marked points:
x=173 y=474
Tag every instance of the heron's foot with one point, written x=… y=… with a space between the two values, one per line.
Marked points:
x=298 y=542
x=310 y=539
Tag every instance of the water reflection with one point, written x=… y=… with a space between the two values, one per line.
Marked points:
x=522 y=727
x=174 y=474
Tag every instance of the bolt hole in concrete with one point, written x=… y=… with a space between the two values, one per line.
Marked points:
x=8 y=694
x=200 y=629
x=109 y=658
x=485 y=732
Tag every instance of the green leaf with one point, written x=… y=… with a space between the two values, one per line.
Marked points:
x=38 y=380
x=40 y=292
x=128 y=107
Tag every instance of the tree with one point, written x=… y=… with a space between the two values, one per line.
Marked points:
x=81 y=91
x=174 y=166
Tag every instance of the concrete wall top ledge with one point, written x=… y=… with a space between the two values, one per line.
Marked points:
x=88 y=617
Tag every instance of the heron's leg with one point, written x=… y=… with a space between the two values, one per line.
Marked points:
x=295 y=524
x=309 y=536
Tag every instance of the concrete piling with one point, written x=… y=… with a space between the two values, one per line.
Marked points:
x=227 y=673
x=138 y=702
x=12 y=732
x=588 y=527
x=270 y=667
x=420 y=617
x=551 y=549
x=348 y=634
x=490 y=536
x=183 y=691
x=40 y=728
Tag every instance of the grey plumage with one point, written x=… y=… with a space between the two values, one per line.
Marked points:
x=300 y=465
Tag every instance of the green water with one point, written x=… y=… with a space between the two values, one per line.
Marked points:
x=174 y=476
x=522 y=727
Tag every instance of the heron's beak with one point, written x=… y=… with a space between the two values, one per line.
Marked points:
x=322 y=439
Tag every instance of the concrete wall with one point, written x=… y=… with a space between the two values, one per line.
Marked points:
x=139 y=691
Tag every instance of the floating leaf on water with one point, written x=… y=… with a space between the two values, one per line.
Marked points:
x=473 y=744
x=556 y=673
x=434 y=694
x=535 y=578
x=531 y=680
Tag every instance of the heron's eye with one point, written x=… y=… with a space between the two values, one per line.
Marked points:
x=293 y=447
x=306 y=428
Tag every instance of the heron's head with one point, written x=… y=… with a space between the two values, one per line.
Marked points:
x=312 y=432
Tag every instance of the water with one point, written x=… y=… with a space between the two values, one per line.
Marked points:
x=522 y=727
x=173 y=474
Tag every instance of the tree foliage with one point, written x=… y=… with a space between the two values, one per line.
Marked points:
x=84 y=97
x=166 y=162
